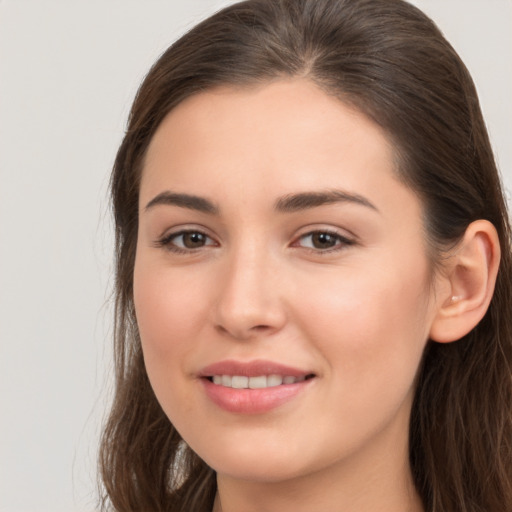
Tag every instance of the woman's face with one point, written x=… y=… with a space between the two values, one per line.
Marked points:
x=282 y=287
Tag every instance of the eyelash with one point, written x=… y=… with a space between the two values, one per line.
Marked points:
x=342 y=242
x=166 y=241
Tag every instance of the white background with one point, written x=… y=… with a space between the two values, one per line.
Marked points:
x=68 y=72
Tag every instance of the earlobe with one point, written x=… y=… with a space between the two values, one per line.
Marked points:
x=471 y=274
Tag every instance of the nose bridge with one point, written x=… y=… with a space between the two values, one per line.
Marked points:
x=248 y=301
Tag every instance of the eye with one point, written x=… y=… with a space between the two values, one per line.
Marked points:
x=323 y=241
x=186 y=240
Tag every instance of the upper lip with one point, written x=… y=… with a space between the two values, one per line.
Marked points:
x=253 y=368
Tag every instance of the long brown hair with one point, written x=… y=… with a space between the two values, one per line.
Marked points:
x=391 y=62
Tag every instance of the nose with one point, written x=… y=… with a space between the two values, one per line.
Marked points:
x=249 y=302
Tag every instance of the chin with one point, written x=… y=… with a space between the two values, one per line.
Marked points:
x=257 y=461
x=262 y=471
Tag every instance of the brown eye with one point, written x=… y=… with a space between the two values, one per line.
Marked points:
x=324 y=241
x=184 y=241
x=192 y=239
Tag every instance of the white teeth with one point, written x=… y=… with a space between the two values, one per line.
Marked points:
x=239 y=382
x=274 y=380
x=259 y=382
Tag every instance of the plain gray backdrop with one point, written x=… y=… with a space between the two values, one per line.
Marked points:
x=68 y=72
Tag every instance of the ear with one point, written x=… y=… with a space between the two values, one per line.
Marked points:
x=469 y=278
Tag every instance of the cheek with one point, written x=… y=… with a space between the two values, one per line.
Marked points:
x=168 y=318
x=167 y=311
x=371 y=326
x=371 y=330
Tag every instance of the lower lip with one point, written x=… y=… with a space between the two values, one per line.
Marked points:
x=253 y=401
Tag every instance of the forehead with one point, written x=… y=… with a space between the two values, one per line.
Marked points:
x=279 y=138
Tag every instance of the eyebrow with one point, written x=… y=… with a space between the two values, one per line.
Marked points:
x=305 y=200
x=286 y=204
x=191 y=202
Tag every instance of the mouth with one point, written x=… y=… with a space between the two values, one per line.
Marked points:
x=254 y=387
x=256 y=382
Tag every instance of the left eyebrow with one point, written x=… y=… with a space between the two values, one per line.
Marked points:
x=305 y=200
x=192 y=202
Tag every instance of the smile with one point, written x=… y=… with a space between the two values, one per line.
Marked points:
x=258 y=382
x=253 y=387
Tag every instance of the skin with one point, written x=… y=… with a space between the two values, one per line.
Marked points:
x=357 y=314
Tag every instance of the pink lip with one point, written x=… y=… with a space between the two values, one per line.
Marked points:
x=252 y=401
x=251 y=369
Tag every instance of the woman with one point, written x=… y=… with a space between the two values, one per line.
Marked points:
x=313 y=289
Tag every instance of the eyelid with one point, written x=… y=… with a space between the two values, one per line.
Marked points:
x=165 y=240
x=344 y=240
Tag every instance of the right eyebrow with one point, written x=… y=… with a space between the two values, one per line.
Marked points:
x=189 y=201
x=305 y=200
